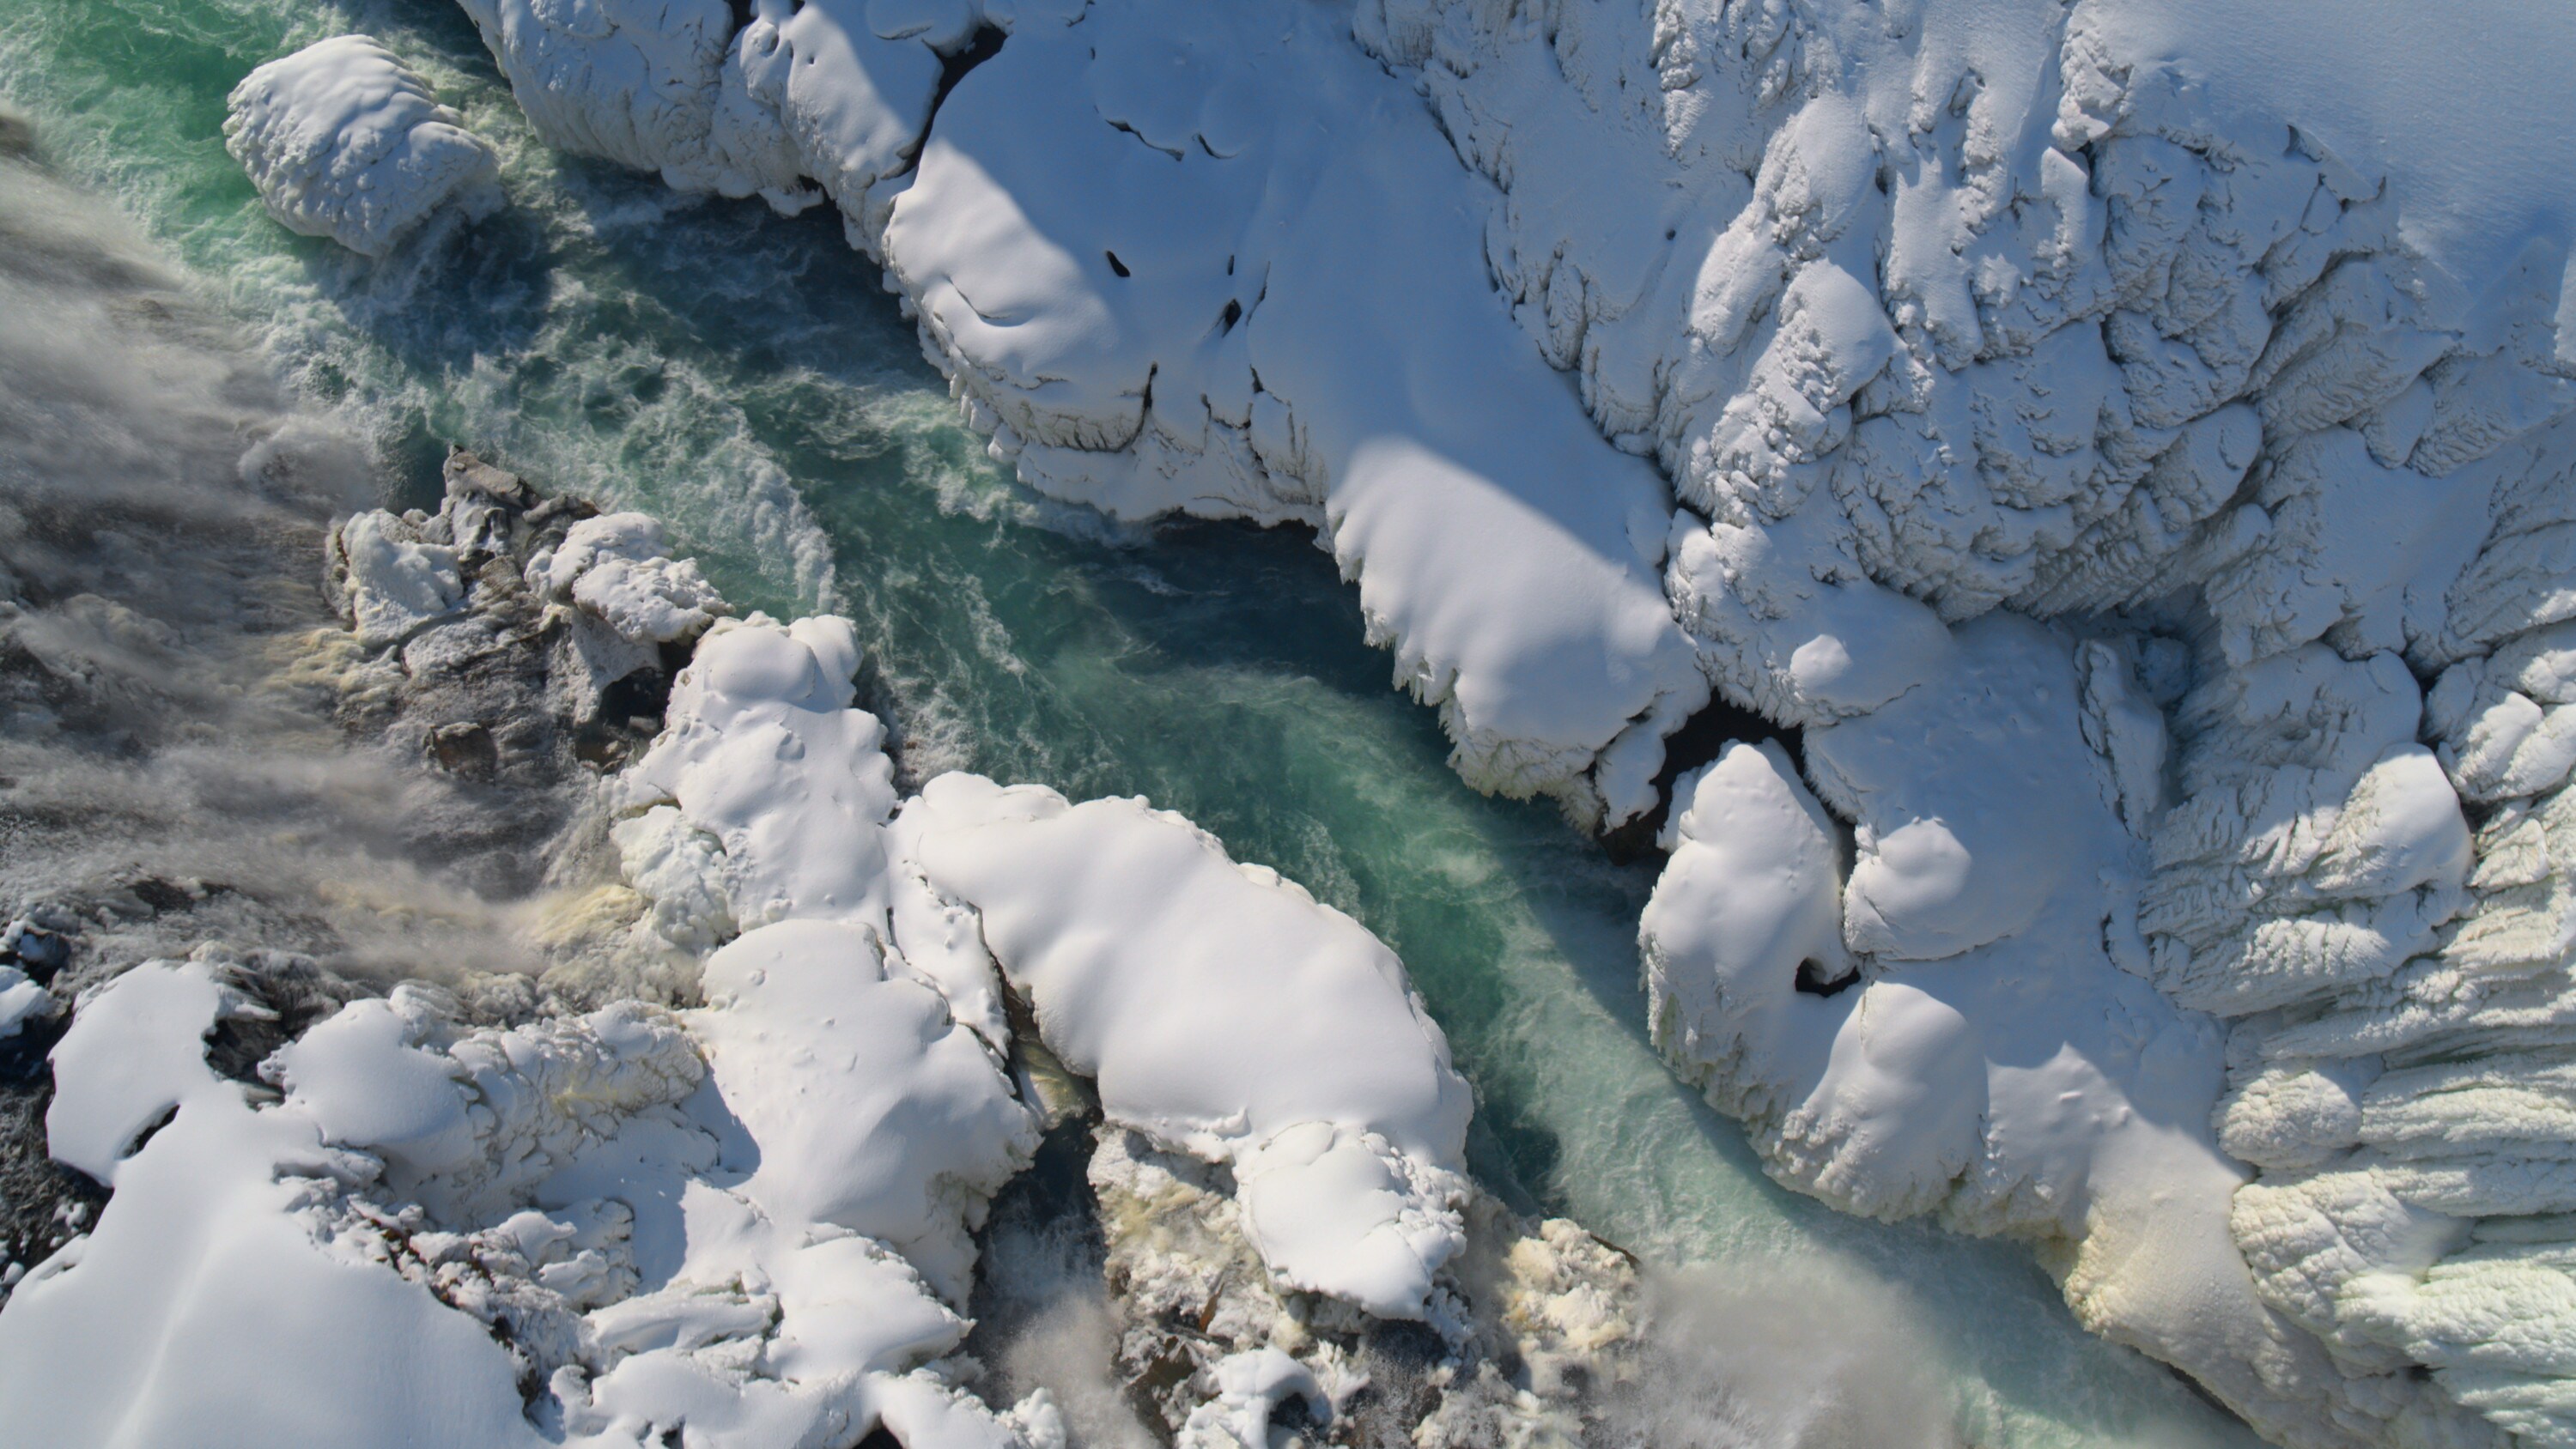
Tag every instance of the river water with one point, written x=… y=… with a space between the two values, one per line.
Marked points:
x=745 y=378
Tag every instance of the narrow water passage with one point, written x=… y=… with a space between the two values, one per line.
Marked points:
x=745 y=378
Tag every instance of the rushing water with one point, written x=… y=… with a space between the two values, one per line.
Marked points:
x=745 y=378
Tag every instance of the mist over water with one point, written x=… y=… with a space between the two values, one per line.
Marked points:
x=175 y=433
x=170 y=766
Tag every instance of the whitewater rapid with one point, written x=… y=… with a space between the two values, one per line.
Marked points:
x=740 y=377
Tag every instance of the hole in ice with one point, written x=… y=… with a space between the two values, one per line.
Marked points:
x=1233 y=314
x=1115 y=265
x=1815 y=978
x=1697 y=742
x=879 y=1437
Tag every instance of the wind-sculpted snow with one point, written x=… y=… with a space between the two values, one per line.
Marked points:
x=343 y=141
x=2125 y=439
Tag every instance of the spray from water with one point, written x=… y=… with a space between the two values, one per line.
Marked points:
x=174 y=766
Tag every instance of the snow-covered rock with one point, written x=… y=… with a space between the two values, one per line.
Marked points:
x=21 y=1000
x=1202 y=261
x=397 y=583
x=653 y=1242
x=1222 y=1010
x=1225 y=1013
x=345 y=141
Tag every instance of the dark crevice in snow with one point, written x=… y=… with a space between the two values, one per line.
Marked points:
x=1700 y=740
x=982 y=46
x=1116 y=265
x=1815 y=978
x=742 y=15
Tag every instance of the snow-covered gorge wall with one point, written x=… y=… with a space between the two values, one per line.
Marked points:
x=2123 y=438
x=2232 y=342
x=1202 y=259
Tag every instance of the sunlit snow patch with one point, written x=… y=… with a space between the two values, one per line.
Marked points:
x=343 y=141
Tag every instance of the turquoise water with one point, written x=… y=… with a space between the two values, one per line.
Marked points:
x=747 y=379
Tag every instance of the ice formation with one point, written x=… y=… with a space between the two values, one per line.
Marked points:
x=344 y=141
x=2123 y=439
x=749 y=1221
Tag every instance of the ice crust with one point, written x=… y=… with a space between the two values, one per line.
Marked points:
x=2127 y=438
x=343 y=141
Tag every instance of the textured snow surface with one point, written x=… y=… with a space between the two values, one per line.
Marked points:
x=343 y=141
x=1223 y=1011
x=2126 y=439
x=1226 y=1013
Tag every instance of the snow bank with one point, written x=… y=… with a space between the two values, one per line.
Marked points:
x=2157 y=307
x=748 y=1223
x=742 y=1248
x=344 y=141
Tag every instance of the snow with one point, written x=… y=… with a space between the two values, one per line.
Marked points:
x=398 y=584
x=2092 y=425
x=719 y=1244
x=1251 y=1385
x=207 y=1243
x=344 y=141
x=761 y=751
x=21 y=1001
x=617 y=568
x=2250 y=326
x=130 y=1057
x=1244 y=281
x=747 y=1223
x=1225 y=1013
x=1221 y=1009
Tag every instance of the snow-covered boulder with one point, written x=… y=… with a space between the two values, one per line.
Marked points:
x=344 y=141
x=1225 y=1013
x=395 y=583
